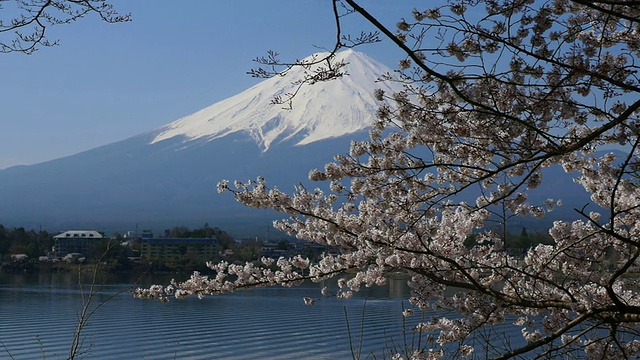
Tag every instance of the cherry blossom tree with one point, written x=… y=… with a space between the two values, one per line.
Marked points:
x=495 y=92
x=24 y=23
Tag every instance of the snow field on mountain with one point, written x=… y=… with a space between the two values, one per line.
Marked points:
x=320 y=111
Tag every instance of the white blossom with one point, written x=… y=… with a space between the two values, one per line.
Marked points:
x=511 y=90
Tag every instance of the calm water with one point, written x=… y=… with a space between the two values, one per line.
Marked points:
x=38 y=315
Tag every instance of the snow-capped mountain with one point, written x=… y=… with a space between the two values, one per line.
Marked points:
x=167 y=177
x=327 y=110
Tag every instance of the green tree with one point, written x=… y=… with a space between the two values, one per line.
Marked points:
x=180 y=232
x=523 y=241
x=283 y=244
x=105 y=249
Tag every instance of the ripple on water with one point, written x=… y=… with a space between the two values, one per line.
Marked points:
x=39 y=321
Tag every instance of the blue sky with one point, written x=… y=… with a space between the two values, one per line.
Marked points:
x=105 y=82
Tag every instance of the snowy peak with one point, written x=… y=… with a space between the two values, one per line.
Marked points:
x=320 y=111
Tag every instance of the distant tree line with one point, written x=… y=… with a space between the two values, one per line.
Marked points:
x=517 y=243
x=34 y=243
x=20 y=241
x=225 y=240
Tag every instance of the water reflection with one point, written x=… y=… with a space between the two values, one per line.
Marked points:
x=38 y=313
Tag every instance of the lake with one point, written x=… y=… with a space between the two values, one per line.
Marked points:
x=38 y=316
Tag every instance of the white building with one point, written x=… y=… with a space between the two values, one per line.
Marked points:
x=75 y=241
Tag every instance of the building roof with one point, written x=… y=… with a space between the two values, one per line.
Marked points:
x=81 y=234
x=180 y=241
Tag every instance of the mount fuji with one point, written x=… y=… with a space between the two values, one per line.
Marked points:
x=167 y=177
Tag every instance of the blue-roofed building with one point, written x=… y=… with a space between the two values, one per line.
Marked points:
x=174 y=248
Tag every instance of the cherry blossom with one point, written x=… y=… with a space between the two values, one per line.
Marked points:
x=495 y=92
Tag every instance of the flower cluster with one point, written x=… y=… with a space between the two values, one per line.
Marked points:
x=498 y=102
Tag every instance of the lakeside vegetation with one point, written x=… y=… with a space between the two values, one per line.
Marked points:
x=24 y=250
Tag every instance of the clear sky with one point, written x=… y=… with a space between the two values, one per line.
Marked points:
x=108 y=82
